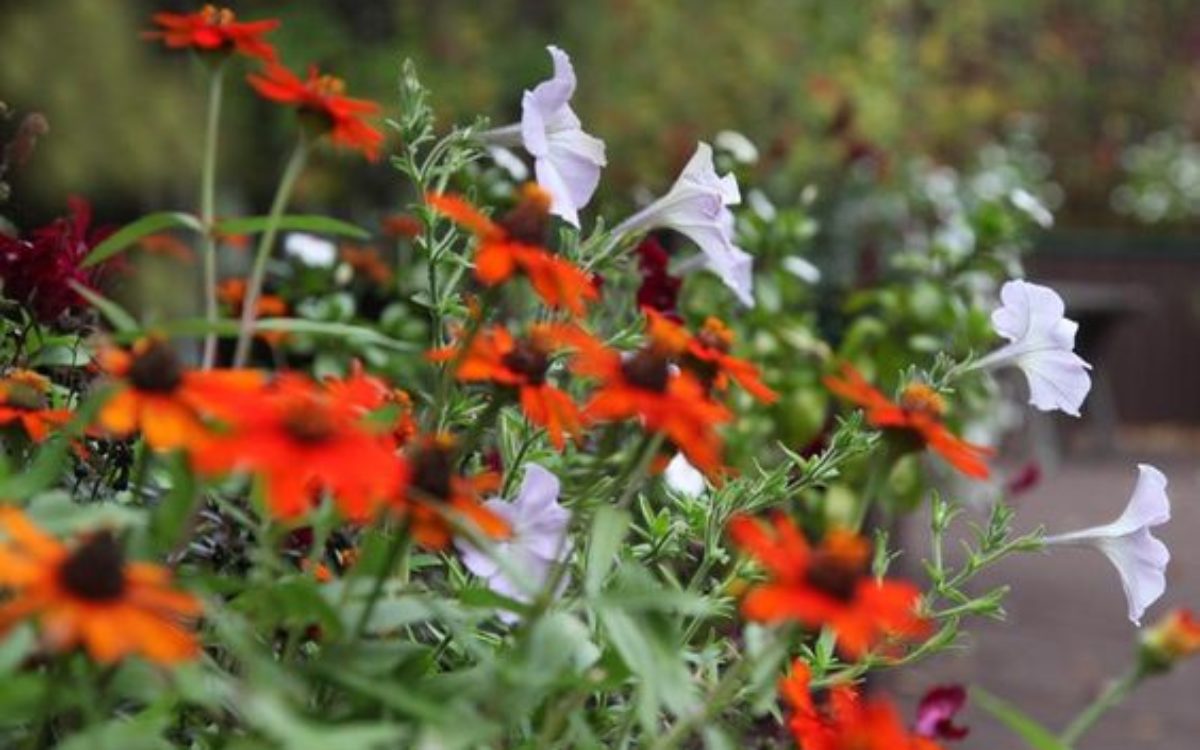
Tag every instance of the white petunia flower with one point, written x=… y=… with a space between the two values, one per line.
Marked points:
x=310 y=249
x=697 y=207
x=537 y=543
x=567 y=161
x=1141 y=559
x=684 y=478
x=1042 y=346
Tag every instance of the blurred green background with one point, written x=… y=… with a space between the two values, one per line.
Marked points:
x=805 y=79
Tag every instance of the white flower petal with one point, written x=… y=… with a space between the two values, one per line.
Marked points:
x=310 y=249
x=684 y=478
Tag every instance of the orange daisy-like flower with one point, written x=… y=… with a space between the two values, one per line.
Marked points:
x=433 y=488
x=156 y=394
x=846 y=721
x=321 y=101
x=644 y=385
x=514 y=244
x=89 y=595
x=917 y=417
x=829 y=586
x=706 y=355
x=302 y=437
x=213 y=29
x=522 y=363
x=25 y=400
x=232 y=293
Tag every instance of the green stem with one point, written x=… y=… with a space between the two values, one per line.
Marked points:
x=725 y=691
x=878 y=472
x=481 y=423
x=1112 y=696
x=208 y=180
x=287 y=182
x=396 y=549
x=636 y=469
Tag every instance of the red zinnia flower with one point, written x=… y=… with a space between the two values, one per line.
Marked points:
x=38 y=271
x=917 y=417
x=706 y=355
x=321 y=99
x=301 y=438
x=213 y=29
x=830 y=585
x=514 y=245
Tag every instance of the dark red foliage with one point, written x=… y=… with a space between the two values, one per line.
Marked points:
x=659 y=289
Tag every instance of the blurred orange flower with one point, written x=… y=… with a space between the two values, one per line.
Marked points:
x=706 y=355
x=24 y=399
x=322 y=99
x=213 y=29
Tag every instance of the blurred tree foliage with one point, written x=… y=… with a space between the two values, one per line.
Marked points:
x=900 y=76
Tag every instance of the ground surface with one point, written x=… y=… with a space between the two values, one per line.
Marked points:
x=1067 y=630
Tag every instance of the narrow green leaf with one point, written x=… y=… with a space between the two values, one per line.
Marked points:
x=1034 y=734
x=608 y=531
x=145 y=226
x=115 y=314
x=294 y=223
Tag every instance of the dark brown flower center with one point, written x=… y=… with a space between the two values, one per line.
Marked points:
x=529 y=360
x=156 y=369
x=24 y=396
x=433 y=470
x=648 y=370
x=710 y=339
x=95 y=571
x=308 y=421
x=838 y=565
x=838 y=581
x=529 y=220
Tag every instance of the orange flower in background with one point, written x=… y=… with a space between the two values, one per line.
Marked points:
x=402 y=226
x=829 y=586
x=644 y=386
x=366 y=262
x=522 y=363
x=213 y=29
x=514 y=244
x=232 y=292
x=322 y=102
x=918 y=417
x=846 y=721
x=301 y=438
x=167 y=246
x=1173 y=638
x=88 y=595
x=156 y=394
x=706 y=355
x=25 y=400
x=433 y=488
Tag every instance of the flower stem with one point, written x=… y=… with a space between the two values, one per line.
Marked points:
x=636 y=469
x=208 y=180
x=395 y=551
x=1112 y=696
x=877 y=475
x=287 y=182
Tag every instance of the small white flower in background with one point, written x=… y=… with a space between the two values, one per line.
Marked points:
x=802 y=269
x=509 y=162
x=696 y=206
x=310 y=249
x=741 y=148
x=538 y=541
x=1033 y=208
x=1141 y=560
x=1042 y=346
x=760 y=204
x=684 y=478
x=567 y=161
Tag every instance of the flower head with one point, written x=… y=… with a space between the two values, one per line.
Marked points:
x=301 y=438
x=25 y=400
x=917 y=418
x=154 y=392
x=567 y=160
x=706 y=355
x=659 y=290
x=827 y=586
x=537 y=541
x=522 y=364
x=1140 y=559
x=40 y=271
x=936 y=712
x=321 y=101
x=1171 y=639
x=87 y=594
x=213 y=29
x=232 y=293
x=514 y=244
x=697 y=207
x=1042 y=342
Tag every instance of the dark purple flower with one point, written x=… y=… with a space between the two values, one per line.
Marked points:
x=935 y=715
x=659 y=289
x=37 y=271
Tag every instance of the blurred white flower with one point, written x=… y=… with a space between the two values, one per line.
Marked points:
x=696 y=206
x=567 y=161
x=310 y=249
x=1033 y=208
x=509 y=162
x=537 y=543
x=684 y=478
x=741 y=148
x=1141 y=560
x=802 y=269
x=1042 y=346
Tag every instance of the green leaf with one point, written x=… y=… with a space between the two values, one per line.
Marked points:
x=228 y=327
x=145 y=226
x=608 y=531
x=121 y=320
x=1035 y=735
x=294 y=223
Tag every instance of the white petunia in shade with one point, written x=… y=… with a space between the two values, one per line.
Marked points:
x=567 y=161
x=684 y=478
x=536 y=544
x=310 y=249
x=697 y=207
x=1041 y=344
x=1141 y=559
